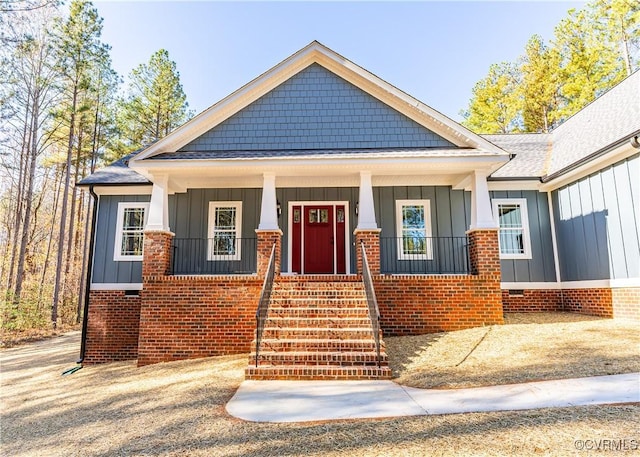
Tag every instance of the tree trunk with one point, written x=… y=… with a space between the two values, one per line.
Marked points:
x=63 y=215
x=30 y=178
x=56 y=199
x=26 y=138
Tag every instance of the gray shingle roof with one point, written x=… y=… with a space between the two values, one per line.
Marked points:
x=612 y=116
x=531 y=153
x=117 y=173
x=318 y=153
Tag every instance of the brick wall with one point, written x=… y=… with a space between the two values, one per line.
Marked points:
x=112 y=328
x=596 y=302
x=532 y=300
x=413 y=305
x=185 y=317
x=626 y=303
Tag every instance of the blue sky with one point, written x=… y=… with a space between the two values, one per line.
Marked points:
x=435 y=51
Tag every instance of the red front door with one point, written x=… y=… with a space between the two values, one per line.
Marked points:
x=318 y=239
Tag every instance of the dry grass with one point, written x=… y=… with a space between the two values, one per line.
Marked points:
x=177 y=409
x=530 y=347
x=11 y=338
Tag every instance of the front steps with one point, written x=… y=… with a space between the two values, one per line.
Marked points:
x=315 y=330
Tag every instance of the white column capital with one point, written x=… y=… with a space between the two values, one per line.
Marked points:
x=269 y=205
x=366 y=209
x=481 y=213
x=158 y=218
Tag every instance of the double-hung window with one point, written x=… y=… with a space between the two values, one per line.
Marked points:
x=413 y=228
x=225 y=228
x=511 y=216
x=131 y=220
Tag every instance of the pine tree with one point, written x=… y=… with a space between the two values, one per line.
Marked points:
x=539 y=88
x=588 y=65
x=79 y=48
x=495 y=105
x=156 y=102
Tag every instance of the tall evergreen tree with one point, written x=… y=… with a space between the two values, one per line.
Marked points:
x=539 y=88
x=617 y=22
x=156 y=102
x=589 y=66
x=495 y=105
x=80 y=49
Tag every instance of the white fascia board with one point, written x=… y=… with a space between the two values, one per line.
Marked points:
x=472 y=162
x=361 y=78
x=623 y=152
x=144 y=189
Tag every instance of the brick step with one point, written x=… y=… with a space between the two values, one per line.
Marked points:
x=317 y=303
x=317 y=345
x=317 y=333
x=316 y=372
x=320 y=312
x=319 y=295
x=340 y=358
x=286 y=321
x=318 y=285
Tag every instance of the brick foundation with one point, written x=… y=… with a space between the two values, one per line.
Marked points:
x=185 y=317
x=414 y=305
x=112 y=328
x=603 y=302
x=532 y=301
x=626 y=303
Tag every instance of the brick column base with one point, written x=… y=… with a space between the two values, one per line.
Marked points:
x=156 y=259
x=266 y=240
x=484 y=253
x=371 y=240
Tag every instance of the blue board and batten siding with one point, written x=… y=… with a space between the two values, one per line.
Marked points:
x=541 y=266
x=597 y=221
x=105 y=269
x=189 y=220
x=450 y=217
x=315 y=109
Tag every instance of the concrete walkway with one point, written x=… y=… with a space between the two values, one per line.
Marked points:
x=303 y=401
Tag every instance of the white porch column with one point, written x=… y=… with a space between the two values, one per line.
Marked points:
x=481 y=214
x=268 y=209
x=158 y=218
x=366 y=211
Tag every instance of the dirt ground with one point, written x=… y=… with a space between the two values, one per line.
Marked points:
x=177 y=409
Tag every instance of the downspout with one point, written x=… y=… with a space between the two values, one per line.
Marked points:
x=87 y=286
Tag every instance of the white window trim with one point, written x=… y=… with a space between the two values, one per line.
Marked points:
x=117 y=248
x=524 y=212
x=211 y=230
x=427 y=223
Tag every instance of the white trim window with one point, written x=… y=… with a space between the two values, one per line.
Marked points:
x=225 y=228
x=511 y=215
x=413 y=229
x=130 y=223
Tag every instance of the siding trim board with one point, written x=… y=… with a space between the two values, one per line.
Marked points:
x=597 y=284
x=115 y=286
